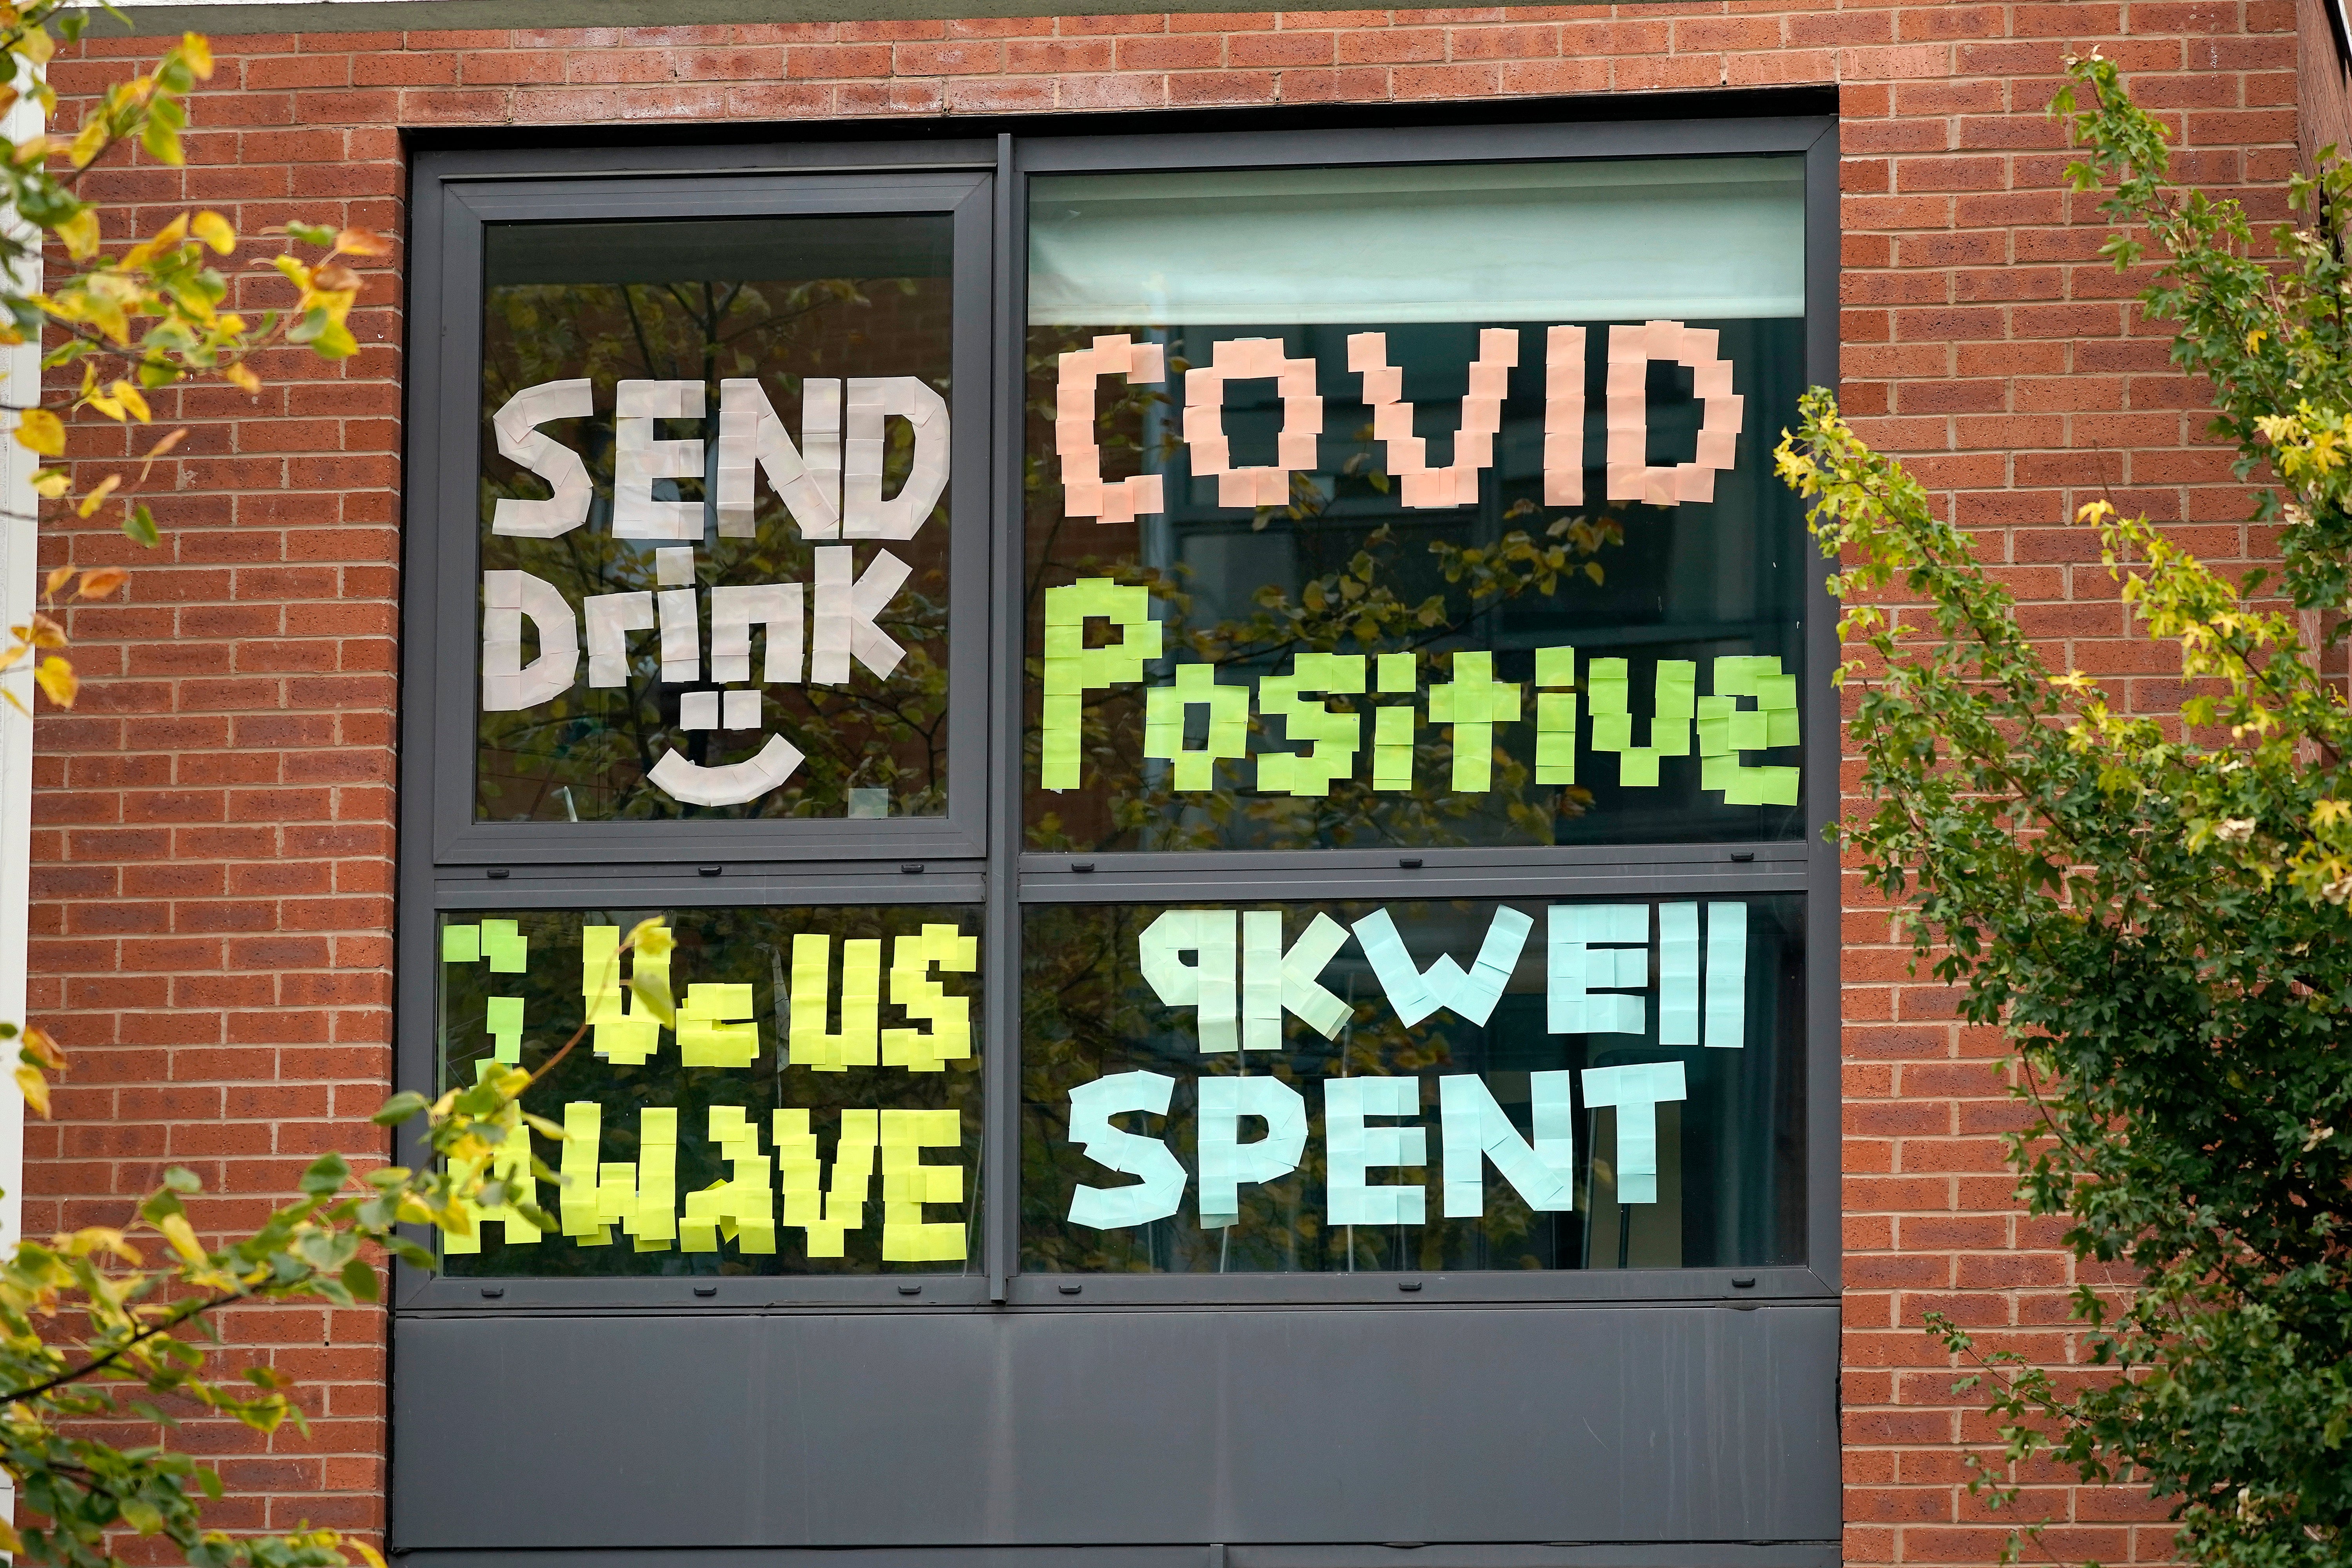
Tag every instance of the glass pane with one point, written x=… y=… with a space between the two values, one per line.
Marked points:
x=714 y=523
x=1423 y=547
x=1460 y=1084
x=813 y=1109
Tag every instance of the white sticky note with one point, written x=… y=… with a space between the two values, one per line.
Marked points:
x=1678 y=974
x=1207 y=983
x=1727 y=974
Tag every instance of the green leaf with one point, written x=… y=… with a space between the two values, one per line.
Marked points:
x=140 y=526
x=400 y=1108
x=327 y=1176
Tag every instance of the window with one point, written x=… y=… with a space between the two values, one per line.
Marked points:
x=1230 y=717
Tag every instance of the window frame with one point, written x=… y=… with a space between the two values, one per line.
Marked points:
x=984 y=861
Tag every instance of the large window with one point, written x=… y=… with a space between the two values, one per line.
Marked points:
x=1210 y=718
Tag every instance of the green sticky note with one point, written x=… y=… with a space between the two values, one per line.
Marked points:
x=1555 y=666
x=1778 y=787
x=1781 y=727
x=503 y=1015
x=1678 y=683
x=1556 y=713
x=1715 y=771
x=1714 y=738
x=1612 y=731
x=1638 y=769
x=505 y=946
x=1064 y=642
x=1395 y=673
x=1670 y=737
x=1556 y=757
x=1777 y=691
x=1748 y=731
x=461 y=945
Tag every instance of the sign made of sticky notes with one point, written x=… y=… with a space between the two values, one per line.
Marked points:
x=1322 y=747
x=1371 y=1127
x=832 y=488
x=1237 y=974
x=1404 y=455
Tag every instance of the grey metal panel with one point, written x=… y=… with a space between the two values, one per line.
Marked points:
x=1135 y=1427
x=1362 y=1554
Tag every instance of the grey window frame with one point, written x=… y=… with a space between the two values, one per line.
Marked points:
x=468 y=869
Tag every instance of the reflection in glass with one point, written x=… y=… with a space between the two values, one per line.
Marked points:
x=1336 y=549
x=1538 y=1043
x=690 y=320
x=816 y=1054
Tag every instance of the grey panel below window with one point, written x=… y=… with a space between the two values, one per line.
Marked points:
x=1282 y=1427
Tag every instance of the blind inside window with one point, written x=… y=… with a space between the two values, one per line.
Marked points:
x=1693 y=238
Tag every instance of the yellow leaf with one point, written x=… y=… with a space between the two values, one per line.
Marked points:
x=9 y=1541
x=58 y=578
x=363 y=242
x=36 y=45
x=199 y=52
x=35 y=1088
x=182 y=1237
x=89 y=141
x=57 y=678
x=240 y=376
x=368 y=1555
x=43 y=1047
x=96 y=497
x=215 y=231
x=78 y=234
x=51 y=483
x=40 y=430
x=131 y=398
x=102 y=580
x=32 y=149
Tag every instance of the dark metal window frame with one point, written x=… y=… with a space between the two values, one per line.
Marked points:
x=455 y=865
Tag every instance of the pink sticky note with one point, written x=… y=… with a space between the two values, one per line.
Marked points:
x=1273 y=487
x=1111 y=352
x=1074 y=435
x=1211 y=455
x=1204 y=384
x=1628 y=379
x=1148 y=363
x=1482 y=414
x=1383 y=385
x=1294 y=451
x=1473 y=449
x=1077 y=369
x=1082 y=498
x=1658 y=486
x=1665 y=338
x=1490 y=380
x=1693 y=481
x=1717 y=448
x=1367 y=351
x=1297 y=378
x=1204 y=421
x=1392 y=421
x=1563 y=487
x=1625 y=449
x=1145 y=489
x=1465 y=486
x=1624 y=481
x=1564 y=449
x=1236 y=487
x=1712 y=379
x=1628 y=344
x=1564 y=346
x=1698 y=346
x=1428 y=489
x=1563 y=414
x=1302 y=415
x=1724 y=413
x=1117 y=507
x=1409 y=455
x=1499 y=345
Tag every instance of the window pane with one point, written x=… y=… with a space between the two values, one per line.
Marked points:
x=813 y=1109
x=714 y=523
x=1427 y=555
x=1461 y=1084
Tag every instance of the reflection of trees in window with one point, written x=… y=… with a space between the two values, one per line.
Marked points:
x=585 y=754
x=1369 y=577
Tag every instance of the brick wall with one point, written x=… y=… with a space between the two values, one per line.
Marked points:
x=214 y=838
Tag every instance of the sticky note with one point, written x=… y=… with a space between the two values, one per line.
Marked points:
x=1161 y=1191
x=1727 y=974
x=504 y=1021
x=1354 y=1148
x=1473 y=702
x=742 y=1207
x=505 y=946
x=1678 y=974
x=716 y=1027
x=577 y=1204
x=1474 y=1129
x=1556 y=666
x=1672 y=704
x=461 y=945
x=1227 y=1163
x=508 y=1164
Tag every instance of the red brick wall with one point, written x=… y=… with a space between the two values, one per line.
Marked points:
x=213 y=838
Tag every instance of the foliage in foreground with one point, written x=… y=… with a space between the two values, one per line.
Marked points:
x=2156 y=911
